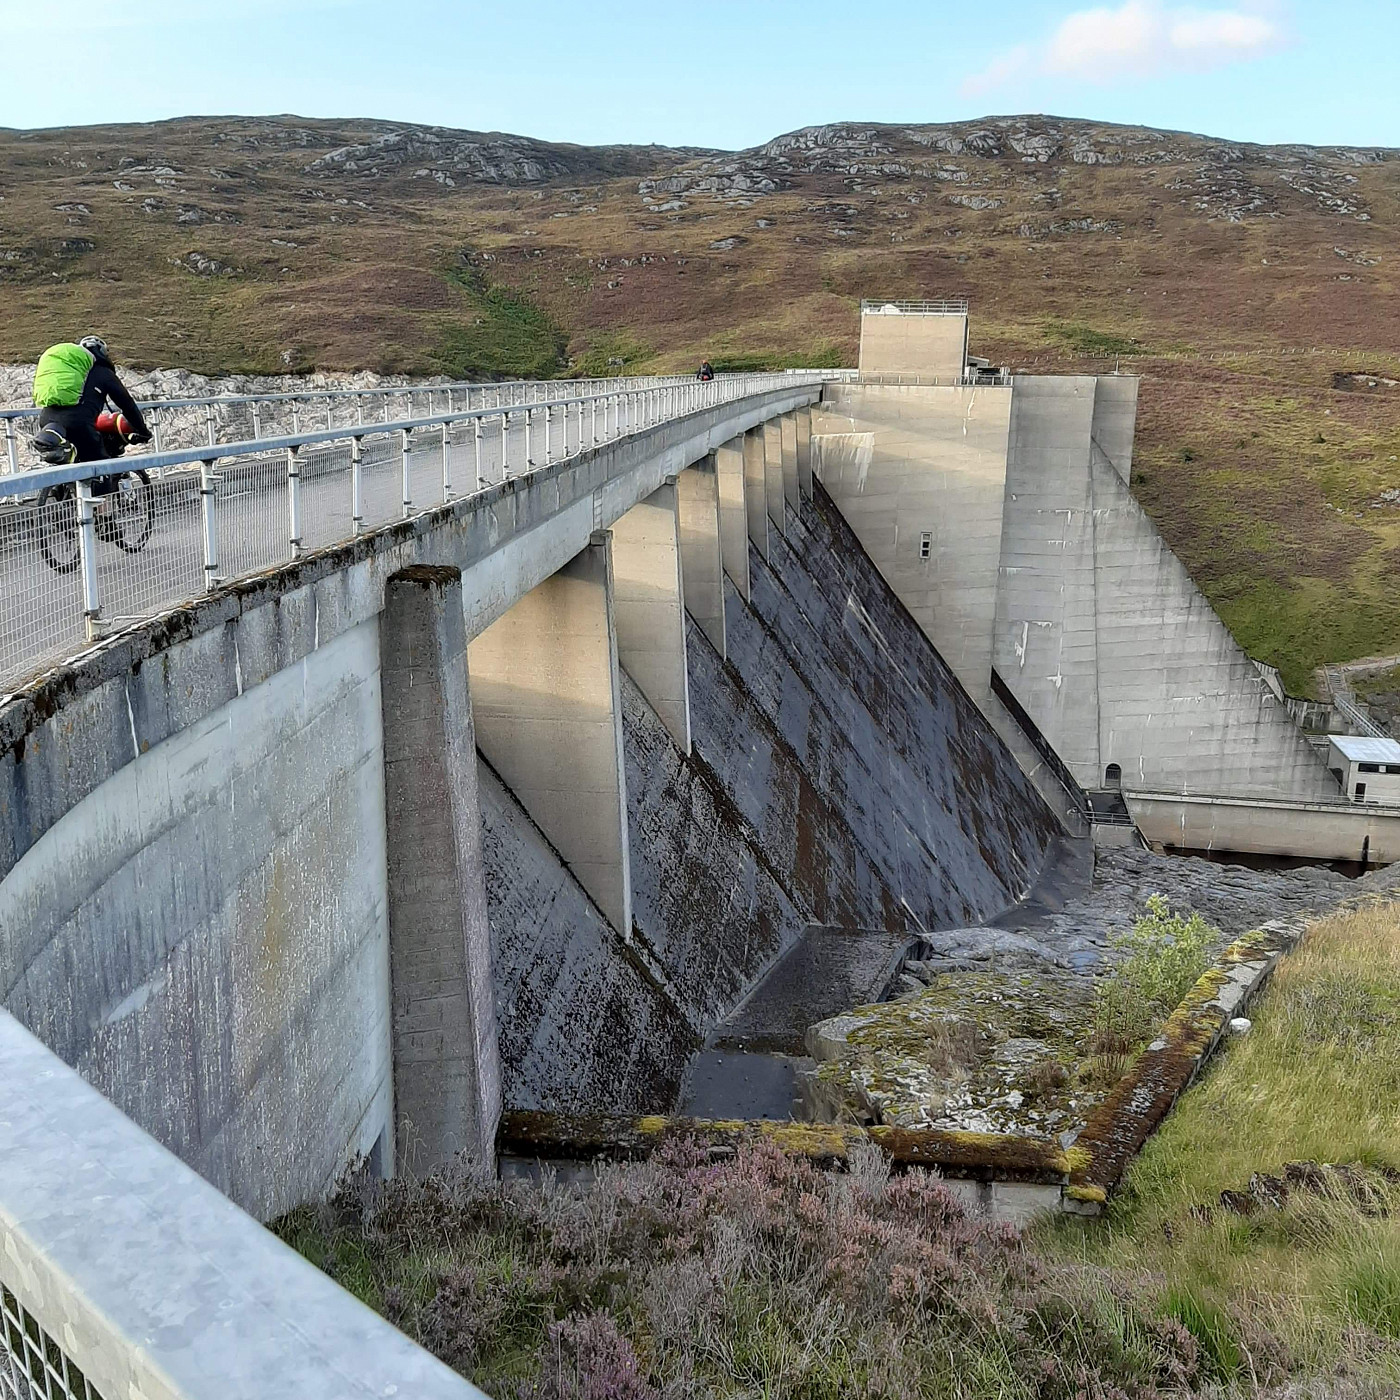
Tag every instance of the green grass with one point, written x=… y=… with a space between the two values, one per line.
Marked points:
x=1317 y=1079
x=611 y=354
x=500 y=331
x=831 y=356
x=1090 y=342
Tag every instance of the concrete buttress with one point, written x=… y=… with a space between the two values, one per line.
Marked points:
x=702 y=569
x=649 y=606
x=548 y=720
x=756 y=490
x=803 y=419
x=447 y=1072
x=773 y=473
x=788 y=431
x=733 y=514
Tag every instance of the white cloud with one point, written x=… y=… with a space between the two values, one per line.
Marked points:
x=1140 y=38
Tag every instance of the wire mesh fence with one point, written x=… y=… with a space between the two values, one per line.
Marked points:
x=83 y=556
x=231 y=418
x=41 y=606
x=32 y=1364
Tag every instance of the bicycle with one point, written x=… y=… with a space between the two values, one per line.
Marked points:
x=125 y=511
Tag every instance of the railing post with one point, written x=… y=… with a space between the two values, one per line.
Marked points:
x=154 y=426
x=505 y=445
x=296 y=417
x=446 y=467
x=329 y=403
x=294 y=502
x=87 y=557
x=360 y=410
x=548 y=423
x=357 y=485
x=529 y=460
x=11 y=444
x=209 y=514
x=257 y=420
x=476 y=439
x=592 y=423
x=406 y=482
x=209 y=423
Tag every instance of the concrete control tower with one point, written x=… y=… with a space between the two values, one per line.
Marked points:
x=920 y=341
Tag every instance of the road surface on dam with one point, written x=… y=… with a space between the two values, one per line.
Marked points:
x=41 y=609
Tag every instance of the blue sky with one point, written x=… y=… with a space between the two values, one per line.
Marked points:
x=720 y=72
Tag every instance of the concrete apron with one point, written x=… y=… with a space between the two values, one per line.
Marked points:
x=1011 y=1178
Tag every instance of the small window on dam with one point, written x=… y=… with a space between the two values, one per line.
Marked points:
x=926 y=544
x=1113 y=777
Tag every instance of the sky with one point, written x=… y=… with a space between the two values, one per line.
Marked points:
x=726 y=73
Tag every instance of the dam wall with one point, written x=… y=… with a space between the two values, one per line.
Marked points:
x=919 y=473
x=1005 y=521
x=203 y=936
x=194 y=893
x=1103 y=636
x=240 y=885
x=839 y=775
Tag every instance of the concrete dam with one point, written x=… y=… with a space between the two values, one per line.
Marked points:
x=529 y=798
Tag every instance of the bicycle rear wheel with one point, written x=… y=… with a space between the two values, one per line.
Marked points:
x=133 y=512
x=58 y=528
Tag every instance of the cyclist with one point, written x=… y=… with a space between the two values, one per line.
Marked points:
x=706 y=370
x=72 y=384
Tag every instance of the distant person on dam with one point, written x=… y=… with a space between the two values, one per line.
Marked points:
x=706 y=370
x=72 y=384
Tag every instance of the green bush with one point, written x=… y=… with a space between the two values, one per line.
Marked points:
x=1162 y=957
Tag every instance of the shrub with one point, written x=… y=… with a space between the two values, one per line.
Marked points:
x=1161 y=958
x=753 y=1275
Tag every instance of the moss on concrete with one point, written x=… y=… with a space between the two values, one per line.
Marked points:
x=988 y=1051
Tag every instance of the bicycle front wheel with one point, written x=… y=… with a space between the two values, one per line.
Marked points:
x=58 y=528
x=133 y=512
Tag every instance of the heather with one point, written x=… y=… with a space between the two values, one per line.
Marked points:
x=751 y=1275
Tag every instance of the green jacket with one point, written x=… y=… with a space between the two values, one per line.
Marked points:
x=60 y=375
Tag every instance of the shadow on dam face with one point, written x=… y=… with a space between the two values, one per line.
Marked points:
x=843 y=795
x=754 y=1062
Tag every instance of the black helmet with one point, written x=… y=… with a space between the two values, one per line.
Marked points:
x=95 y=346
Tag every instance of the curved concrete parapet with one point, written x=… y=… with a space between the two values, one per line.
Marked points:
x=148 y=1281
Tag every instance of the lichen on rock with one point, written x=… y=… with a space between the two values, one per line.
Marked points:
x=978 y=1051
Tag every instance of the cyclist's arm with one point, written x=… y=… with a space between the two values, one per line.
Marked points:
x=106 y=380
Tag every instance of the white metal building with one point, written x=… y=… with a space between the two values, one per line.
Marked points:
x=1368 y=769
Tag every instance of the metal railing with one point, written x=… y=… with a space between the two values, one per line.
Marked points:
x=75 y=563
x=973 y=379
x=220 y=418
x=946 y=306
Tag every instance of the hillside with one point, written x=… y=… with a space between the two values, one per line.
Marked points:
x=276 y=244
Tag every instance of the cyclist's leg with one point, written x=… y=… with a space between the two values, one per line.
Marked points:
x=79 y=428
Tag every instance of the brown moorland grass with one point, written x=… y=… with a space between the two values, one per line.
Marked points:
x=1267 y=481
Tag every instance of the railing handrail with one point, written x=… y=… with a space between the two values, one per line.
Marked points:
x=940 y=306
x=421 y=387
x=26 y=483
